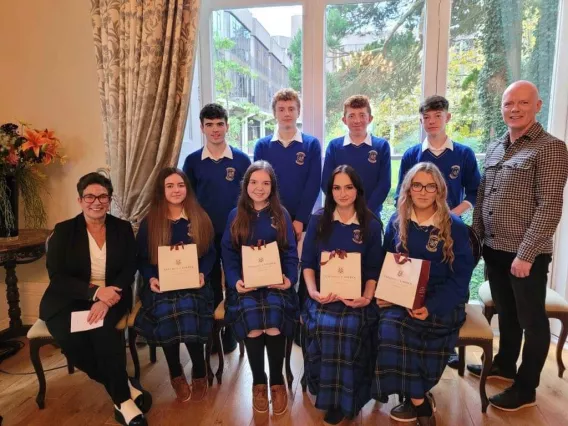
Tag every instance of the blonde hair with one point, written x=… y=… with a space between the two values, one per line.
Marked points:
x=405 y=206
x=285 y=95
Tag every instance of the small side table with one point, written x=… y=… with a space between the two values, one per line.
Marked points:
x=29 y=247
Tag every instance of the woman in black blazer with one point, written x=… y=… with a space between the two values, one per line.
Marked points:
x=91 y=260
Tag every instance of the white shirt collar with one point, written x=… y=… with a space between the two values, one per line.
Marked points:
x=207 y=154
x=337 y=217
x=431 y=221
x=276 y=137
x=347 y=140
x=448 y=144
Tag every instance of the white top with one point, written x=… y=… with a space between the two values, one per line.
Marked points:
x=348 y=141
x=431 y=221
x=337 y=218
x=98 y=261
x=207 y=154
x=297 y=137
x=448 y=144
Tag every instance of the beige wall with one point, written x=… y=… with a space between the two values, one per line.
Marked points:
x=48 y=78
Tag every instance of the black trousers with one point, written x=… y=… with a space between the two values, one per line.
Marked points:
x=99 y=352
x=520 y=304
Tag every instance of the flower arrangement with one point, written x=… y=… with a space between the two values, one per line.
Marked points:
x=23 y=150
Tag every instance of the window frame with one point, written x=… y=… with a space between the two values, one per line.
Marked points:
x=434 y=78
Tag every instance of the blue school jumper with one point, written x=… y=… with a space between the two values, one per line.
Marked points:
x=298 y=170
x=263 y=308
x=340 y=341
x=412 y=354
x=179 y=315
x=217 y=184
x=459 y=168
x=372 y=163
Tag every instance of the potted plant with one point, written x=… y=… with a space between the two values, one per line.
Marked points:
x=22 y=151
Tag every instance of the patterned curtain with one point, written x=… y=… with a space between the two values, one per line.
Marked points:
x=145 y=51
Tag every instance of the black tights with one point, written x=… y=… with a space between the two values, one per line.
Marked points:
x=275 y=348
x=195 y=353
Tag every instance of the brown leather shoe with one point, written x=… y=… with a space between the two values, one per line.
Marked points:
x=183 y=393
x=260 y=398
x=198 y=389
x=279 y=397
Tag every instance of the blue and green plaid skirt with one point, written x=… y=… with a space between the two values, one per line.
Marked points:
x=339 y=354
x=412 y=354
x=262 y=309
x=176 y=316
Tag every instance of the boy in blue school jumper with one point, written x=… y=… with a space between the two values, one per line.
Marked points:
x=215 y=172
x=295 y=157
x=456 y=161
x=367 y=154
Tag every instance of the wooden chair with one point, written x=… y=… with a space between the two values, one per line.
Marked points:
x=39 y=336
x=476 y=331
x=556 y=307
x=218 y=324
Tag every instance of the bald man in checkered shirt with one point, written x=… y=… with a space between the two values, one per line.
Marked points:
x=519 y=204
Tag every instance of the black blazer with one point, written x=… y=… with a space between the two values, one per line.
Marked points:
x=69 y=264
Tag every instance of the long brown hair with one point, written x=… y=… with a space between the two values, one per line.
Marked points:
x=405 y=207
x=159 y=226
x=241 y=226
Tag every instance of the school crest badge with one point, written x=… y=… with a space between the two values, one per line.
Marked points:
x=454 y=173
x=357 y=237
x=300 y=158
x=432 y=244
x=230 y=176
x=273 y=222
x=189 y=234
x=373 y=156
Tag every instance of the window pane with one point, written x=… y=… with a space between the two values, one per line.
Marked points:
x=257 y=52
x=376 y=49
x=493 y=43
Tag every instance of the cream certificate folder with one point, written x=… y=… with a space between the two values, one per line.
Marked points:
x=340 y=276
x=178 y=267
x=403 y=281
x=79 y=322
x=261 y=265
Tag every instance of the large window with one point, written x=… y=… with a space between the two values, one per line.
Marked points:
x=254 y=52
x=376 y=49
x=395 y=52
x=493 y=43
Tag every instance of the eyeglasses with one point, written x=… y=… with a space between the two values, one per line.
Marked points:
x=417 y=187
x=90 y=198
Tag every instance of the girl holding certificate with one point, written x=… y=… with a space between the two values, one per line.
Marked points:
x=262 y=317
x=340 y=333
x=414 y=345
x=171 y=317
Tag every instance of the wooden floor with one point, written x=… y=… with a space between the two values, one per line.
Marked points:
x=76 y=400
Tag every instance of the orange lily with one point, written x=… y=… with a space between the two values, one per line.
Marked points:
x=50 y=152
x=34 y=141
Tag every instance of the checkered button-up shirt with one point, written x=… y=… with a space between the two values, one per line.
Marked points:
x=519 y=200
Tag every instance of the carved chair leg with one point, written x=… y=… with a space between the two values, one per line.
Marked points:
x=35 y=345
x=487 y=362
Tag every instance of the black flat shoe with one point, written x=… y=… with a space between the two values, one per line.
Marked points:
x=144 y=401
x=454 y=360
x=139 y=420
x=333 y=417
